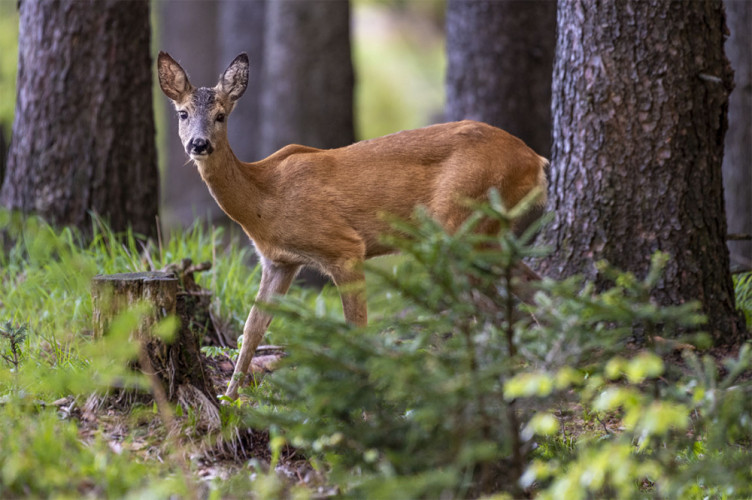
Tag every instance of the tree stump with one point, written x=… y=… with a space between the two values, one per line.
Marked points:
x=176 y=365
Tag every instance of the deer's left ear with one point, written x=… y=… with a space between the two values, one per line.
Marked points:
x=234 y=80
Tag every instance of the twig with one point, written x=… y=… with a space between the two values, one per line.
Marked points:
x=738 y=237
x=165 y=413
x=608 y=431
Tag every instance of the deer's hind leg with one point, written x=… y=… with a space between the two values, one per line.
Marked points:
x=351 y=283
x=346 y=270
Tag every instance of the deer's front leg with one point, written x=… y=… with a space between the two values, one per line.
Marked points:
x=275 y=280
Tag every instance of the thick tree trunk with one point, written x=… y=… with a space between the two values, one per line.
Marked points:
x=500 y=63
x=639 y=121
x=737 y=156
x=83 y=133
x=308 y=78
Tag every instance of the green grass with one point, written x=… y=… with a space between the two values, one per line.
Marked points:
x=743 y=291
x=44 y=287
x=8 y=63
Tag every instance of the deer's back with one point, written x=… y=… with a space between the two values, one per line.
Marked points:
x=437 y=166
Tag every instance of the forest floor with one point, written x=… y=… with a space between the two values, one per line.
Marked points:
x=133 y=424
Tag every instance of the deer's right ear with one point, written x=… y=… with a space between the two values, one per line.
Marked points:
x=172 y=78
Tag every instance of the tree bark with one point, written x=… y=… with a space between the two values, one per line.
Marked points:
x=500 y=59
x=639 y=121
x=188 y=31
x=83 y=132
x=308 y=78
x=737 y=156
x=176 y=365
x=241 y=24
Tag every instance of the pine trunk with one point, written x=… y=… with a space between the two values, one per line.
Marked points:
x=737 y=157
x=639 y=122
x=500 y=63
x=83 y=133
x=308 y=77
x=242 y=28
x=188 y=31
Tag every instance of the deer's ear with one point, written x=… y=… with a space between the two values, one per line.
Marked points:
x=234 y=80
x=172 y=78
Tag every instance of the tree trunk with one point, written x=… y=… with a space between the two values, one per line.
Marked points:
x=500 y=63
x=188 y=31
x=83 y=133
x=308 y=78
x=737 y=157
x=241 y=24
x=639 y=121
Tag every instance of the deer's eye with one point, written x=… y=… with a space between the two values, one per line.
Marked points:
x=221 y=117
x=183 y=115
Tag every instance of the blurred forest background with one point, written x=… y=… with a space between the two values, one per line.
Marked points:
x=629 y=377
x=84 y=140
x=397 y=52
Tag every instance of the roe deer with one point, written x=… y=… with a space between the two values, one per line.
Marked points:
x=304 y=206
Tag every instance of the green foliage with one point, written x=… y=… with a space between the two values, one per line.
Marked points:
x=743 y=291
x=465 y=392
x=15 y=336
x=42 y=455
x=8 y=64
x=455 y=389
x=48 y=353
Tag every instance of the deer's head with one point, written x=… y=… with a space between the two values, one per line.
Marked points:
x=203 y=111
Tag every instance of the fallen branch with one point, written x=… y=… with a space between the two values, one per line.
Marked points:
x=738 y=237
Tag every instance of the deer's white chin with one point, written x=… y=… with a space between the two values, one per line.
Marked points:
x=199 y=157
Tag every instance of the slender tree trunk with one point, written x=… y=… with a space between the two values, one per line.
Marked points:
x=500 y=63
x=188 y=31
x=737 y=157
x=639 y=121
x=83 y=133
x=308 y=79
x=241 y=25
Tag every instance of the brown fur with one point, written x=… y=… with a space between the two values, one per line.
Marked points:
x=325 y=208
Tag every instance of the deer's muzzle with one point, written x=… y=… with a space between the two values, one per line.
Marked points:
x=199 y=147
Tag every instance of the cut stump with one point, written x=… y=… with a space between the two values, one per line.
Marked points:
x=176 y=365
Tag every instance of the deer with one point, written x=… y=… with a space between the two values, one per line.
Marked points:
x=325 y=208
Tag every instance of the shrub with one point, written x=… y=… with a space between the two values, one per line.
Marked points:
x=466 y=393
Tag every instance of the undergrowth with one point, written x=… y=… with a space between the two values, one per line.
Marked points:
x=743 y=292
x=455 y=389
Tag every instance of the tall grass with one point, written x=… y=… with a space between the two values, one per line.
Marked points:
x=743 y=292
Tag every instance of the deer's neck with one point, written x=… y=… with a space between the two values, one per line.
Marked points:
x=236 y=186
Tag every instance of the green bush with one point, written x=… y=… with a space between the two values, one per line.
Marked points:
x=47 y=352
x=743 y=291
x=466 y=393
x=454 y=390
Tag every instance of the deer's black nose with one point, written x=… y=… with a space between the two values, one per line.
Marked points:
x=199 y=146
